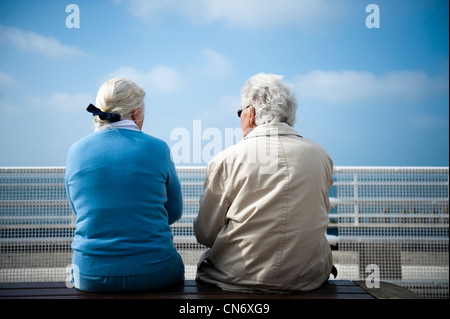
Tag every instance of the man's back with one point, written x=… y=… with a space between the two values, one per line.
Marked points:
x=266 y=205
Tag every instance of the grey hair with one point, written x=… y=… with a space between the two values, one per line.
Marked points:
x=271 y=97
x=119 y=96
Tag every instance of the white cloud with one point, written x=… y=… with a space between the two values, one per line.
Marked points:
x=7 y=83
x=8 y=98
x=244 y=13
x=145 y=8
x=214 y=64
x=6 y=80
x=230 y=104
x=344 y=87
x=160 y=79
x=264 y=13
x=33 y=42
x=62 y=101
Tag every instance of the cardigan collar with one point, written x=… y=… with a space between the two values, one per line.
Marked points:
x=124 y=124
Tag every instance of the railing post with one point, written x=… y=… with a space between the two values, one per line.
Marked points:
x=356 y=196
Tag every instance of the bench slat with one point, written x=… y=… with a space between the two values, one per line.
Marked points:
x=335 y=289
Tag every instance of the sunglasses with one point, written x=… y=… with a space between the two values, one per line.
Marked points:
x=239 y=112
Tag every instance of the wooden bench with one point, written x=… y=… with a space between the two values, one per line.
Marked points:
x=333 y=289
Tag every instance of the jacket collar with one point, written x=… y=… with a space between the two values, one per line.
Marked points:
x=273 y=128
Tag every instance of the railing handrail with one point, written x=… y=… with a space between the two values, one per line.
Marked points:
x=336 y=168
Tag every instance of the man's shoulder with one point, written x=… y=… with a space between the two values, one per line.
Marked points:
x=228 y=155
x=312 y=145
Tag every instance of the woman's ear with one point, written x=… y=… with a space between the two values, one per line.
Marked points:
x=134 y=115
x=138 y=117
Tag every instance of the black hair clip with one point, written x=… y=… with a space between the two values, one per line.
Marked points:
x=112 y=117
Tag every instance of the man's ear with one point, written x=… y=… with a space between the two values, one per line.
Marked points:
x=251 y=118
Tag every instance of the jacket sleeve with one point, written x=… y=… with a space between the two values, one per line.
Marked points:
x=214 y=205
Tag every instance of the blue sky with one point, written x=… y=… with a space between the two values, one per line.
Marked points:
x=370 y=96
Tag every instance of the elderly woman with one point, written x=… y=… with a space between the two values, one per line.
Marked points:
x=124 y=191
x=264 y=208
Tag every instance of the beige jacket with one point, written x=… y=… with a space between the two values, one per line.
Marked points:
x=264 y=213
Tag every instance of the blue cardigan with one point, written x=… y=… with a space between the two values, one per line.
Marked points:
x=124 y=190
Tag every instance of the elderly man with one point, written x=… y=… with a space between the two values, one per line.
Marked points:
x=264 y=208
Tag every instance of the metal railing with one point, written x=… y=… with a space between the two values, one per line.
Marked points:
x=393 y=218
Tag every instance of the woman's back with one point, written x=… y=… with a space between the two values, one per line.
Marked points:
x=119 y=183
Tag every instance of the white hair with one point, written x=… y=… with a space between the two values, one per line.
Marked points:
x=120 y=96
x=271 y=97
